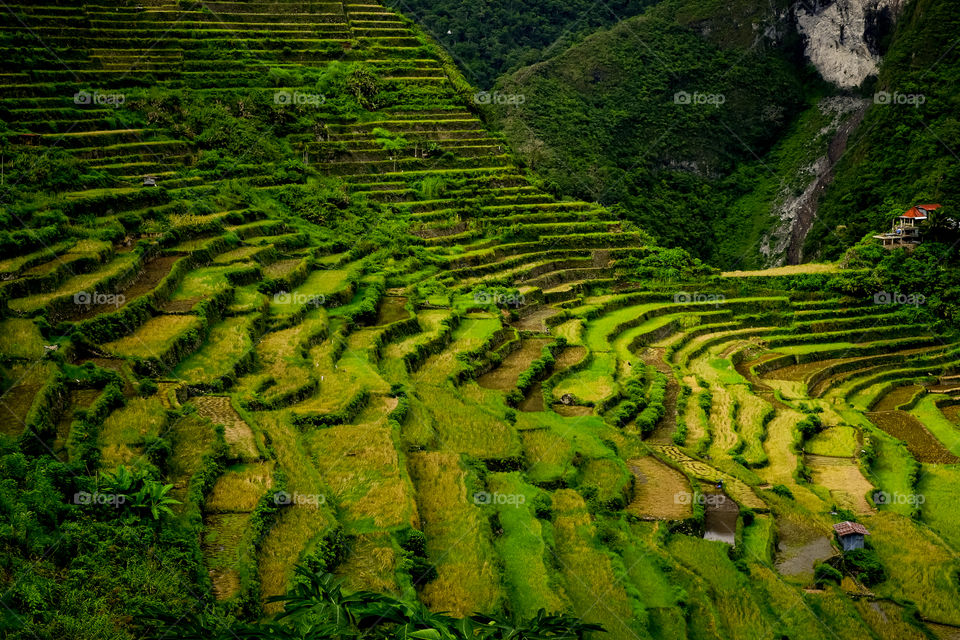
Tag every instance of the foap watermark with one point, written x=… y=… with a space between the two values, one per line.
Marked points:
x=282 y=498
x=911 y=299
x=495 y=97
x=685 y=97
x=97 y=98
x=897 y=98
x=485 y=497
x=696 y=297
x=499 y=298
x=885 y=498
x=111 y=499
x=88 y=298
x=295 y=98
x=705 y=499
x=308 y=299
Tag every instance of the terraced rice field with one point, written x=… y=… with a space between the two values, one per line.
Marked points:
x=659 y=491
x=922 y=444
x=506 y=375
x=555 y=451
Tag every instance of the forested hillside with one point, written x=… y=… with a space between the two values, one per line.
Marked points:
x=669 y=125
x=744 y=158
x=488 y=39
x=907 y=148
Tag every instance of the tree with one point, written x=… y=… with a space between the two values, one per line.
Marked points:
x=364 y=86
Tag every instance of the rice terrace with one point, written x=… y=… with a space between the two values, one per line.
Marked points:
x=452 y=320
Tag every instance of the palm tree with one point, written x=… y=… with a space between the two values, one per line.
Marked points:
x=320 y=597
x=120 y=481
x=153 y=497
x=415 y=620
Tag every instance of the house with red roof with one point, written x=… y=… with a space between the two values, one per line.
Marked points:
x=906 y=230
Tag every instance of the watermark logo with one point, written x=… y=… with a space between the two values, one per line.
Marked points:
x=685 y=97
x=499 y=299
x=310 y=300
x=87 y=298
x=111 y=499
x=695 y=297
x=485 y=497
x=285 y=98
x=912 y=299
x=495 y=97
x=282 y=498
x=114 y=100
x=705 y=499
x=886 y=498
x=897 y=98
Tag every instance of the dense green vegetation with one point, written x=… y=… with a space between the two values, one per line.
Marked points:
x=930 y=274
x=667 y=124
x=490 y=39
x=689 y=173
x=319 y=607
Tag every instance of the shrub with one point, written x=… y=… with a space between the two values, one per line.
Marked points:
x=328 y=554
x=364 y=86
x=414 y=544
x=705 y=400
x=543 y=506
x=809 y=426
x=782 y=490
x=413 y=541
x=680 y=435
x=158 y=450
x=147 y=387
x=824 y=573
x=865 y=565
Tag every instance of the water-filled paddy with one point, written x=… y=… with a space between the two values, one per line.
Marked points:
x=720 y=522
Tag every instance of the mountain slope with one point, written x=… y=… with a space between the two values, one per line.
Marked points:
x=906 y=150
x=488 y=39
x=624 y=140
x=656 y=117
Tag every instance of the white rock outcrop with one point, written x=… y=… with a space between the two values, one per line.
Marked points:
x=841 y=36
x=795 y=207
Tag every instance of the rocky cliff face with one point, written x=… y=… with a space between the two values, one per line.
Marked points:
x=843 y=37
x=795 y=207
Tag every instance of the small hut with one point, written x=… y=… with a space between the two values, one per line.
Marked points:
x=850 y=534
x=149 y=181
x=907 y=228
